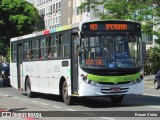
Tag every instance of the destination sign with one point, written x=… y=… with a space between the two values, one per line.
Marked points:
x=111 y=26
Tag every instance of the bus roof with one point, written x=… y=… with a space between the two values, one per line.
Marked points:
x=45 y=32
x=62 y=28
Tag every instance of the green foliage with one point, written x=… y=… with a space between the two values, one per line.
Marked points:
x=137 y=10
x=145 y=11
x=152 y=64
x=17 y=17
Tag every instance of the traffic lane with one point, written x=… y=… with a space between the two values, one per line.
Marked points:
x=131 y=102
x=152 y=92
x=85 y=114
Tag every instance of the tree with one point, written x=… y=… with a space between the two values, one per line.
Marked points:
x=152 y=63
x=145 y=11
x=17 y=17
x=137 y=10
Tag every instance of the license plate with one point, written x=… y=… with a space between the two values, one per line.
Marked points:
x=115 y=89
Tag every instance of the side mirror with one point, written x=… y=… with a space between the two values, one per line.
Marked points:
x=144 y=51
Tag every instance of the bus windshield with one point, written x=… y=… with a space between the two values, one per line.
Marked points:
x=110 y=52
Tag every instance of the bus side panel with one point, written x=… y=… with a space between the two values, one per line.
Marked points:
x=30 y=69
x=53 y=71
x=65 y=71
x=26 y=71
x=34 y=76
x=43 y=78
x=13 y=72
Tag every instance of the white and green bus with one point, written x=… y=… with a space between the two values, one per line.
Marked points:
x=94 y=58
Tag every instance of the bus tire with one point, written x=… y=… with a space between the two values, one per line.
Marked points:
x=116 y=99
x=29 y=93
x=156 y=86
x=68 y=100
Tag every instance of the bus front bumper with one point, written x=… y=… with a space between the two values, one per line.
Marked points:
x=107 y=90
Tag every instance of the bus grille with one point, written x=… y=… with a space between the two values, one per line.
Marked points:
x=108 y=90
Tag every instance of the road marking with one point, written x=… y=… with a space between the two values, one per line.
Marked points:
x=71 y=110
x=155 y=106
x=56 y=106
x=44 y=104
x=34 y=102
x=16 y=97
x=107 y=118
x=24 y=99
x=88 y=118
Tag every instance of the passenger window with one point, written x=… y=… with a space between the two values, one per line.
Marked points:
x=26 y=51
x=54 y=46
x=35 y=49
x=14 y=52
x=43 y=46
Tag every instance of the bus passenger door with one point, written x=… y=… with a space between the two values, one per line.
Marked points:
x=19 y=65
x=74 y=64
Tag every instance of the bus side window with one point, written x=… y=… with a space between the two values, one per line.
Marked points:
x=26 y=52
x=35 y=49
x=60 y=46
x=43 y=48
x=53 y=46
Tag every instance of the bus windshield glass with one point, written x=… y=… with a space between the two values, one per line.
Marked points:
x=110 y=52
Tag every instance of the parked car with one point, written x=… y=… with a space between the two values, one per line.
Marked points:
x=5 y=73
x=157 y=80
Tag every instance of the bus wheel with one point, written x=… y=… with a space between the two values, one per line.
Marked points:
x=28 y=89
x=116 y=99
x=156 y=86
x=67 y=99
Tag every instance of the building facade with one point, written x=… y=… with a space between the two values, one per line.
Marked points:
x=30 y=1
x=63 y=12
x=51 y=11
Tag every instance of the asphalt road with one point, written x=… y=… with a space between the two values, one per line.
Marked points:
x=92 y=108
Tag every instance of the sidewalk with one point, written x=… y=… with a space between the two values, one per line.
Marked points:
x=149 y=81
x=149 y=77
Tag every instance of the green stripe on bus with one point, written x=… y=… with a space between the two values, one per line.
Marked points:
x=69 y=72
x=113 y=79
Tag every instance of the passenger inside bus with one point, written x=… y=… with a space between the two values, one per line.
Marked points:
x=50 y=55
x=28 y=55
x=121 y=53
x=31 y=55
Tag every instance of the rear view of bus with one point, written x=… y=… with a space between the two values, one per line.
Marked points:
x=111 y=59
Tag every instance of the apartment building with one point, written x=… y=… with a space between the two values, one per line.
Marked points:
x=30 y=1
x=51 y=11
x=63 y=12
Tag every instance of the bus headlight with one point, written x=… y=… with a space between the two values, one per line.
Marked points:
x=138 y=80
x=91 y=82
x=84 y=78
